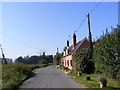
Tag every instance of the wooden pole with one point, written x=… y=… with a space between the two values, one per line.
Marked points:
x=89 y=33
x=3 y=57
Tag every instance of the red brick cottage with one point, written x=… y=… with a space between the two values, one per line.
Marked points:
x=69 y=51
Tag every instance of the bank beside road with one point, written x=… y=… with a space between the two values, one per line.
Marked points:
x=15 y=74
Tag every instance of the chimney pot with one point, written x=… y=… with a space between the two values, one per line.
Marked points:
x=74 y=40
x=67 y=43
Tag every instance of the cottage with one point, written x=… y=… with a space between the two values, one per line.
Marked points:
x=69 y=51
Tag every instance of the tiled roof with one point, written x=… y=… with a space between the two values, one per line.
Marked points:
x=71 y=51
x=71 y=47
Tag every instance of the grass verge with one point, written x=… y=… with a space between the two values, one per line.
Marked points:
x=93 y=82
x=15 y=74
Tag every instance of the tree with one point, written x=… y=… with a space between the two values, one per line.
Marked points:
x=42 y=59
x=20 y=60
x=49 y=58
x=83 y=59
x=107 y=53
x=32 y=60
x=82 y=63
x=57 y=59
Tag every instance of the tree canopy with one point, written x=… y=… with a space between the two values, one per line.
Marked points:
x=42 y=59
x=107 y=53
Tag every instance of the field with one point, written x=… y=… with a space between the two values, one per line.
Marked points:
x=15 y=74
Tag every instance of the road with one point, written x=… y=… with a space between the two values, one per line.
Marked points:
x=49 y=77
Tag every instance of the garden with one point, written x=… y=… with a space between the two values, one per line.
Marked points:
x=99 y=65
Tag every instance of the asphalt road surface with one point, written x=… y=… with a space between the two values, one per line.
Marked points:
x=49 y=77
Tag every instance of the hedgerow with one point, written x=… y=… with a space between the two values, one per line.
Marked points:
x=107 y=54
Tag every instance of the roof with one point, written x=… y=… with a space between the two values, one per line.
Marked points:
x=76 y=47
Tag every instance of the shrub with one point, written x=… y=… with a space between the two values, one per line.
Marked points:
x=57 y=59
x=14 y=74
x=82 y=62
x=104 y=80
x=107 y=53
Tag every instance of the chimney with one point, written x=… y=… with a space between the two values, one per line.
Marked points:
x=67 y=43
x=74 y=40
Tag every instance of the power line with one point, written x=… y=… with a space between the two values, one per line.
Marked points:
x=80 y=24
x=23 y=44
x=86 y=16
x=96 y=6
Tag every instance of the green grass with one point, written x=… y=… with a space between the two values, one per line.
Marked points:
x=15 y=74
x=93 y=82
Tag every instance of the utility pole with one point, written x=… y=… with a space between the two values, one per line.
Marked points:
x=89 y=34
x=3 y=57
x=90 y=49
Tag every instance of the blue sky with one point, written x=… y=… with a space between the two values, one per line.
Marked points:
x=29 y=28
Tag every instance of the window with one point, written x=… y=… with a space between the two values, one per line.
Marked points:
x=71 y=63
x=65 y=63
x=62 y=63
x=68 y=62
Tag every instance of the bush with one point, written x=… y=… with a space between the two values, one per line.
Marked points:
x=14 y=74
x=104 y=80
x=65 y=68
x=57 y=59
x=107 y=53
x=82 y=62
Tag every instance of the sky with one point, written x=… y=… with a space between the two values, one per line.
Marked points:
x=119 y=12
x=30 y=28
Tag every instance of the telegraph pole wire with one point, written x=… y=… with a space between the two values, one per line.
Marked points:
x=96 y=6
x=87 y=16
x=81 y=24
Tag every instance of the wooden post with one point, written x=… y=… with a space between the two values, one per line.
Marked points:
x=89 y=33
x=3 y=57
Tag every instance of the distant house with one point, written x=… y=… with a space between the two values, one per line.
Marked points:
x=69 y=51
x=9 y=60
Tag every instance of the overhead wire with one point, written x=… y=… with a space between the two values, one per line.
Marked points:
x=86 y=16
x=26 y=45
x=80 y=24
x=96 y=6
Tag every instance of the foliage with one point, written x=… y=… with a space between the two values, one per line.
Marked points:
x=46 y=59
x=49 y=58
x=57 y=59
x=14 y=74
x=82 y=62
x=65 y=68
x=104 y=80
x=83 y=59
x=42 y=59
x=20 y=60
x=93 y=83
x=107 y=53
x=90 y=45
